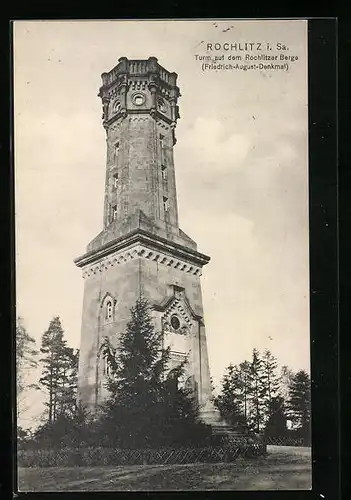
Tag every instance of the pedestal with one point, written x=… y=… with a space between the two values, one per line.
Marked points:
x=210 y=415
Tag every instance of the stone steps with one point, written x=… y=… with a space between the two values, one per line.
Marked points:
x=226 y=430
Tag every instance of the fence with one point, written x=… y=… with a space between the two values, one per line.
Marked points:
x=286 y=441
x=109 y=456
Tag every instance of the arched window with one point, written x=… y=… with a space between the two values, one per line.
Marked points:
x=165 y=204
x=109 y=309
x=117 y=107
x=164 y=172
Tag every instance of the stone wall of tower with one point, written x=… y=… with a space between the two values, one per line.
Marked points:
x=166 y=183
x=157 y=283
x=122 y=284
x=144 y=168
x=139 y=100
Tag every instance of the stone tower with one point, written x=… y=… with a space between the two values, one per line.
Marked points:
x=141 y=249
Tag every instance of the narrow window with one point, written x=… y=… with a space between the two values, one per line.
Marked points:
x=109 y=310
x=161 y=140
x=165 y=204
x=115 y=180
x=164 y=172
x=116 y=149
x=114 y=212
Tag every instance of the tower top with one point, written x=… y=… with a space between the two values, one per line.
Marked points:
x=140 y=111
x=139 y=67
x=134 y=77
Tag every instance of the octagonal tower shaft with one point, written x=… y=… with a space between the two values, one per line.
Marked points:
x=140 y=112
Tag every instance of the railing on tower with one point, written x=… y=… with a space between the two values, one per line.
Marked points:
x=138 y=67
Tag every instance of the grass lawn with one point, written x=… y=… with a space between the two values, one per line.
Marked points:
x=284 y=468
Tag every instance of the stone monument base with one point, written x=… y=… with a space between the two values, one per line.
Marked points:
x=211 y=416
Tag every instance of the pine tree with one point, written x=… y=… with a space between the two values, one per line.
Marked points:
x=258 y=393
x=230 y=400
x=26 y=359
x=245 y=378
x=270 y=380
x=58 y=378
x=299 y=403
x=146 y=406
x=270 y=377
x=25 y=354
x=52 y=347
x=276 y=423
x=179 y=416
x=285 y=379
x=67 y=391
x=71 y=430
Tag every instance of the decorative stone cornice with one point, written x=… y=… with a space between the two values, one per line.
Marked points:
x=137 y=116
x=152 y=244
x=120 y=257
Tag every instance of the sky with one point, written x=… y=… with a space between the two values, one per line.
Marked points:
x=241 y=163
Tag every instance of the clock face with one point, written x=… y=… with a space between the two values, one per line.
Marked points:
x=139 y=99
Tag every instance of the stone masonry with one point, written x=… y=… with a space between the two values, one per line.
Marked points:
x=141 y=250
